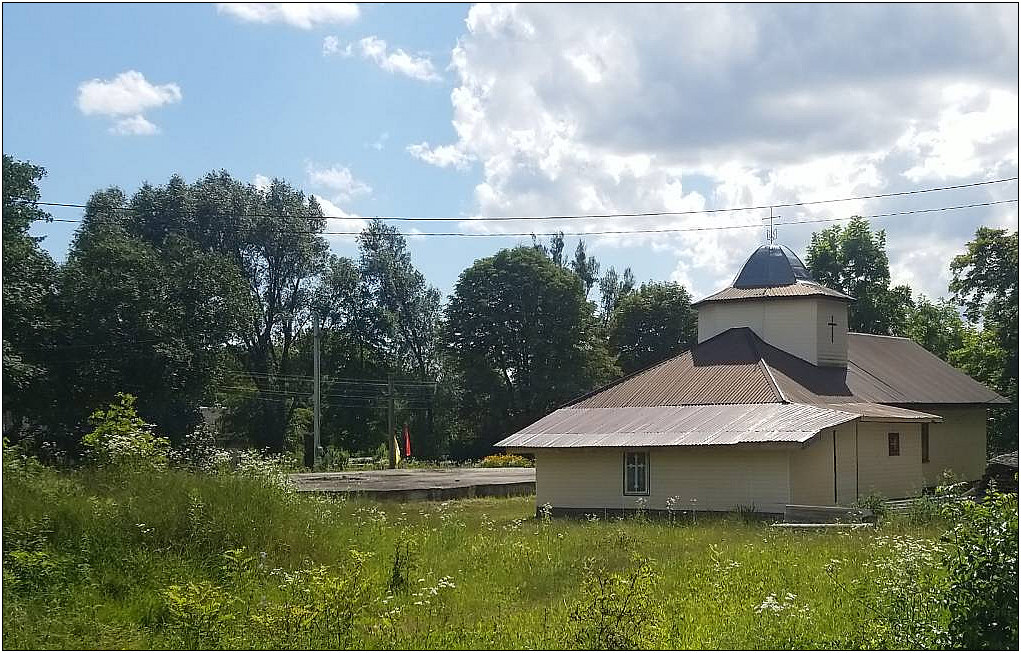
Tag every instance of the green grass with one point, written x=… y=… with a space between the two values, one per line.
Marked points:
x=91 y=557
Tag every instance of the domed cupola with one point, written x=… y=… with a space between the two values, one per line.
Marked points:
x=775 y=296
x=770 y=266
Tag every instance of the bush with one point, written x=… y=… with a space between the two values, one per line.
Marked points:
x=617 y=612
x=873 y=501
x=506 y=460
x=121 y=438
x=982 y=563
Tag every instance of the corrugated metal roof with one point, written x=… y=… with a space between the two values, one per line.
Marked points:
x=663 y=426
x=723 y=370
x=737 y=367
x=882 y=413
x=880 y=369
x=799 y=289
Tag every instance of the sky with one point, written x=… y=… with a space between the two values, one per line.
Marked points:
x=470 y=111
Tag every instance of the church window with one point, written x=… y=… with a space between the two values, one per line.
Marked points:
x=636 y=472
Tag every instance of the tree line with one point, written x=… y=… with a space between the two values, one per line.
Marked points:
x=192 y=295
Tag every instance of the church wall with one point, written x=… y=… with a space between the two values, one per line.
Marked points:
x=957 y=444
x=894 y=477
x=835 y=352
x=788 y=324
x=719 y=478
x=812 y=469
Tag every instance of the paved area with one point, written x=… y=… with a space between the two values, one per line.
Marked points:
x=422 y=484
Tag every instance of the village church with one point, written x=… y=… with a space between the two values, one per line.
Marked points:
x=777 y=404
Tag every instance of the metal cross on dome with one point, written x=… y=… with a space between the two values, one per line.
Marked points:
x=771 y=231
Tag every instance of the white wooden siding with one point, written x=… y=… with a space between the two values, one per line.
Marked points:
x=812 y=469
x=957 y=444
x=719 y=478
x=831 y=353
x=788 y=324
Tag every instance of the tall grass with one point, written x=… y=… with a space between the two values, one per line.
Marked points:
x=174 y=559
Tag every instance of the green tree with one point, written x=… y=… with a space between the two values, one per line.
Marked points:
x=586 y=267
x=937 y=326
x=651 y=324
x=521 y=339
x=28 y=293
x=612 y=289
x=985 y=284
x=853 y=260
x=143 y=312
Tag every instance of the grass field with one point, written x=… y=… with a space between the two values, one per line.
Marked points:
x=173 y=559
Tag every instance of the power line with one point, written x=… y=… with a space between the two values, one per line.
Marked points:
x=584 y=216
x=622 y=232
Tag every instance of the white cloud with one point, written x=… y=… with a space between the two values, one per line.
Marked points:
x=304 y=15
x=331 y=46
x=380 y=142
x=128 y=94
x=442 y=156
x=398 y=61
x=689 y=107
x=134 y=126
x=339 y=180
x=262 y=182
x=340 y=221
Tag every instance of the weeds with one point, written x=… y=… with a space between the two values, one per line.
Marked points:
x=107 y=558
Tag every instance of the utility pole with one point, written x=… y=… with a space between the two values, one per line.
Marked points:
x=317 y=396
x=391 y=443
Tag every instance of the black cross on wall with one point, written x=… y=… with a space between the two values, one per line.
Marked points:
x=831 y=324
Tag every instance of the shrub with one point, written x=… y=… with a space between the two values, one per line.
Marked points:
x=982 y=563
x=617 y=612
x=121 y=438
x=872 y=501
x=506 y=460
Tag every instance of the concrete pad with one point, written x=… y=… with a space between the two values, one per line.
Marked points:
x=421 y=484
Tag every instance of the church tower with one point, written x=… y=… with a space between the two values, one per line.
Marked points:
x=775 y=296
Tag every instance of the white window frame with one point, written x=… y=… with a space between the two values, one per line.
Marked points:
x=642 y=464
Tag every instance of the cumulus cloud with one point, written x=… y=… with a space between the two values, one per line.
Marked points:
x=331 y=46
x=126 y=98
x=695 y=107
x=134 y=126
x=348 y=224
x=397 y=61
x=339 y=180
x=442 y=156
x=304 y=15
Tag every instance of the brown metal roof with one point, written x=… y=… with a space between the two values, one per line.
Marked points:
x=737 y=367
x=723 y=370
x=799 y=289
x=664 y=426
x=880 y=369
x=883 y=413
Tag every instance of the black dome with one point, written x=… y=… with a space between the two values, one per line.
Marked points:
x=770 y=266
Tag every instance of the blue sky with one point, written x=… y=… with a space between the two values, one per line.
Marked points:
x=458 y=111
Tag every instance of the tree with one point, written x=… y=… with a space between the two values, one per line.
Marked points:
x=652 y=324
x=521 y=338
x=28 y=293
x=985 y=284
x=407 y=308
x=854 y=260
x=145 y=313
x=937 y=326
x=612 y=289
x=586 y=267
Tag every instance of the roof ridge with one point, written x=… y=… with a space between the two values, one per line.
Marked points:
x=622 y=379
x=753 y=337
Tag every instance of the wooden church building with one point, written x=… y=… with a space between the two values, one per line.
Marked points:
x=777 y=404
